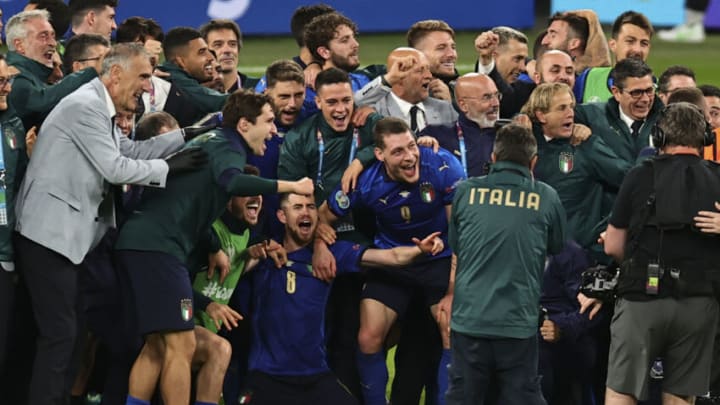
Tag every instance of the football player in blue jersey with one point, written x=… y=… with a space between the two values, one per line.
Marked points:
x=410 y=191
x=287 y=356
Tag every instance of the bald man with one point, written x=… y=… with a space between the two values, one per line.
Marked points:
x=555 y=66
x=409 y=98
x=471 y=137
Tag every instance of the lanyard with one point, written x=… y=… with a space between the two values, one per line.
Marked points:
x=3 y=203
x=321 y=153
x=463 y=150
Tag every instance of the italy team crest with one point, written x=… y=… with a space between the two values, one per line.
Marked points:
x=186 y=309
x=10 y=137
x=342 y=200
x=427 y=192
x=565 y=162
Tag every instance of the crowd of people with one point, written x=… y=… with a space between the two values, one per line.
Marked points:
x=175 y=231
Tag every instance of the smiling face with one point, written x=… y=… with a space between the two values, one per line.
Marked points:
x=255 y=134
x=557 y=122
x=39 y=44
x=197 y=60
x=477 y=97
x=400 y=156
x=510 y=60
x=713 y=104
x=127 y=85
x=635 y=108
x=632 y=42
x=226 y=46
x=555 y=67
x=246 y=209
x=335 y=101
x=287 y=99
x=439 y=47
x=6 y=73
x=299 y=214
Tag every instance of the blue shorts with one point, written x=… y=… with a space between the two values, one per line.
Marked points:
x=394 y=287
x=161 y=290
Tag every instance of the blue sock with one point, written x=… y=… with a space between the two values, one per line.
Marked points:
x=205 y=403
x=131 y=400
x=373 y=377
x=442 y=376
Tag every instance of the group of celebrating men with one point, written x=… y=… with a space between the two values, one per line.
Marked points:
x=179 y=231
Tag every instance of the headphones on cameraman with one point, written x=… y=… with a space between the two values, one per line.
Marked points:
x=658 y=135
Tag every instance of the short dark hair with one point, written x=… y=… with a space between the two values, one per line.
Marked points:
x=331 y=76
x=222 y=24
x=177 y=38
x=77 y=48
x=538 y=47
x=418 y=31
x=515 y=143
x=138 y=29
x=251 y=170
x=321 y=30
x=302 y=16
x=59 y=14
x=708 y=90
x=634 y=18
x=284 y=70
x=150 y=124
x=674 y=70
x=683 y=124
x=388 y=126
x=691 y=95
x=243 y=103
x=79 y=8
x=578 y=26
x=629 y=67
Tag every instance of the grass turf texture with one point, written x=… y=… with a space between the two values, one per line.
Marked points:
x=704 y=58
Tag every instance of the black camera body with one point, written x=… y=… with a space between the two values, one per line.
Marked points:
x=599 y=282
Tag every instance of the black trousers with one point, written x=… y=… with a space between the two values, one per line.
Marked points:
x=52 y=281
x=697 y=5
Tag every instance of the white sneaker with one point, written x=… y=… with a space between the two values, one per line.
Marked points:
x=684 y=33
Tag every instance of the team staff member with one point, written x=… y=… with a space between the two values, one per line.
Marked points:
x=582 y=175
x=471 y=137
x=409 y=191
x=154 y=244
x=31 y=44
x=666 y=277
x=287 y=360
x=14 y=161
x=495 y=300
x=74 y=161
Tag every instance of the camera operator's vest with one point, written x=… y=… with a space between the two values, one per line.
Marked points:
x=689 y=260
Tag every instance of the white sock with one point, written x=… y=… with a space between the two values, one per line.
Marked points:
x=693 y=17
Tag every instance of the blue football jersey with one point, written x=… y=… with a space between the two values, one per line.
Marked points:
x=288 y=312
x=403 y=211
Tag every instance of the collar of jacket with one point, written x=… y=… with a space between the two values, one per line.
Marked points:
x=510 y=166
x=28 y=66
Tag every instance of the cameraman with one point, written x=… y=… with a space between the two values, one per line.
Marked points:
x=665 y=306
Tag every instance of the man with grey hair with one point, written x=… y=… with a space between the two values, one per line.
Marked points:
x=502 y=53
x=32 y=49
x=65 y=203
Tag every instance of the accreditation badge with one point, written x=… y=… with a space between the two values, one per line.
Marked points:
x=565 y=162
x=427 y=192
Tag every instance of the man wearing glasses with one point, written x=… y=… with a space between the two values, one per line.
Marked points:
x=83 y=51
x=625 y=120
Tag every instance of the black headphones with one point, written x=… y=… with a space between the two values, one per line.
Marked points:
x=658 y=135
